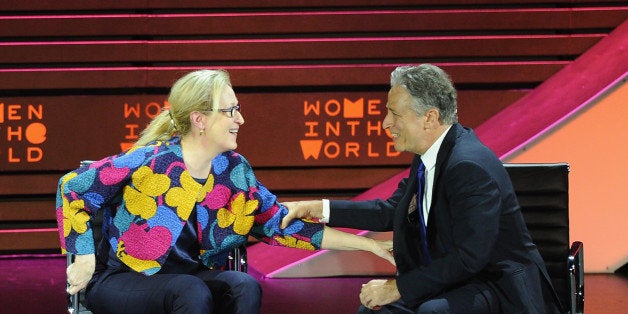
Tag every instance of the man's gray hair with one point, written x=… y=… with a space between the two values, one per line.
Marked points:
x=430 y=87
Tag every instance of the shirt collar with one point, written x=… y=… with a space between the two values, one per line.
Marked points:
x=429 y=158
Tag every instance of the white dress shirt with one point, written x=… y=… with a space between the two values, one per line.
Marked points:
x=429 y=160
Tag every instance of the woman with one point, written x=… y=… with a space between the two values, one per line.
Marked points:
x=174 y=205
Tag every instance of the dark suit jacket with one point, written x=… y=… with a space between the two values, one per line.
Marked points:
x=475 y=230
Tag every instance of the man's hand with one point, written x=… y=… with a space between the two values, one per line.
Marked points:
x=379 y=292
x=302 y=209
x=80 y=272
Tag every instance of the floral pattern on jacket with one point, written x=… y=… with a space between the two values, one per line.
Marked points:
x=147 y=195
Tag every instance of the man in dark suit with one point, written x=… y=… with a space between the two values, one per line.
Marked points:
x=460 y=241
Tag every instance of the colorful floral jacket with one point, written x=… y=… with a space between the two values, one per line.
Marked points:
x=147 y=195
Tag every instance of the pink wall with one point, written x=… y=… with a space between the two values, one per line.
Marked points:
x=595 y=143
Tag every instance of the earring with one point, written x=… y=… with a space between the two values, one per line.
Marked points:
x=202 y=132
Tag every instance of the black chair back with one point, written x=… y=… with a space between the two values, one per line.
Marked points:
x=543 y=193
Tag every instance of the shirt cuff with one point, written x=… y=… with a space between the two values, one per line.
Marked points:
x=325 y=218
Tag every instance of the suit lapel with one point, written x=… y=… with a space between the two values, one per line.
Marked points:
x=441 y=158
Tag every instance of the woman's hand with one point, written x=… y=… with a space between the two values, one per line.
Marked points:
x=80 y=272
x=384 y=249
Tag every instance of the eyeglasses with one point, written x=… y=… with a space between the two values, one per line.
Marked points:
x=230 y=110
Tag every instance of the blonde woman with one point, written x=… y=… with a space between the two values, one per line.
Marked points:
x=174 y=205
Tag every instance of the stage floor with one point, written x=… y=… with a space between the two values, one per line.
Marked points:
x=36 y=284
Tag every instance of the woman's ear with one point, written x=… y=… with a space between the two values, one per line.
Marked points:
x=197 y=119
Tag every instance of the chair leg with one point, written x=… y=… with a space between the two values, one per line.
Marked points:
x=74 y=302
x=576 y=277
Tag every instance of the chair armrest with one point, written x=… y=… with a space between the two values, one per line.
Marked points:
x=575 y=264
x=238 y=260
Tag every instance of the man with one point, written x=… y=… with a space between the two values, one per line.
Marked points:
x=461 y=245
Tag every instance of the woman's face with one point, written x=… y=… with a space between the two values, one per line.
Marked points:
x=223 y=131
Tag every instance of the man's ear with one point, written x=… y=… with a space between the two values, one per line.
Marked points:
x=432 y=117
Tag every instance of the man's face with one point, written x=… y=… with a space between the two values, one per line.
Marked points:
x=407 y=128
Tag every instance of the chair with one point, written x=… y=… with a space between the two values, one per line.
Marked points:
x=543 y=193
x=237 y=260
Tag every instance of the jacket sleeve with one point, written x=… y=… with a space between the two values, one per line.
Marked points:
x=374 y=215
x=83 y=192
x=301 y=233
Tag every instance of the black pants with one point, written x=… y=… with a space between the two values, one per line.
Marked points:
x=210 y=291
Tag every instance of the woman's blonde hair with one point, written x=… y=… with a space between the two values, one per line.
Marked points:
x=196 y=91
